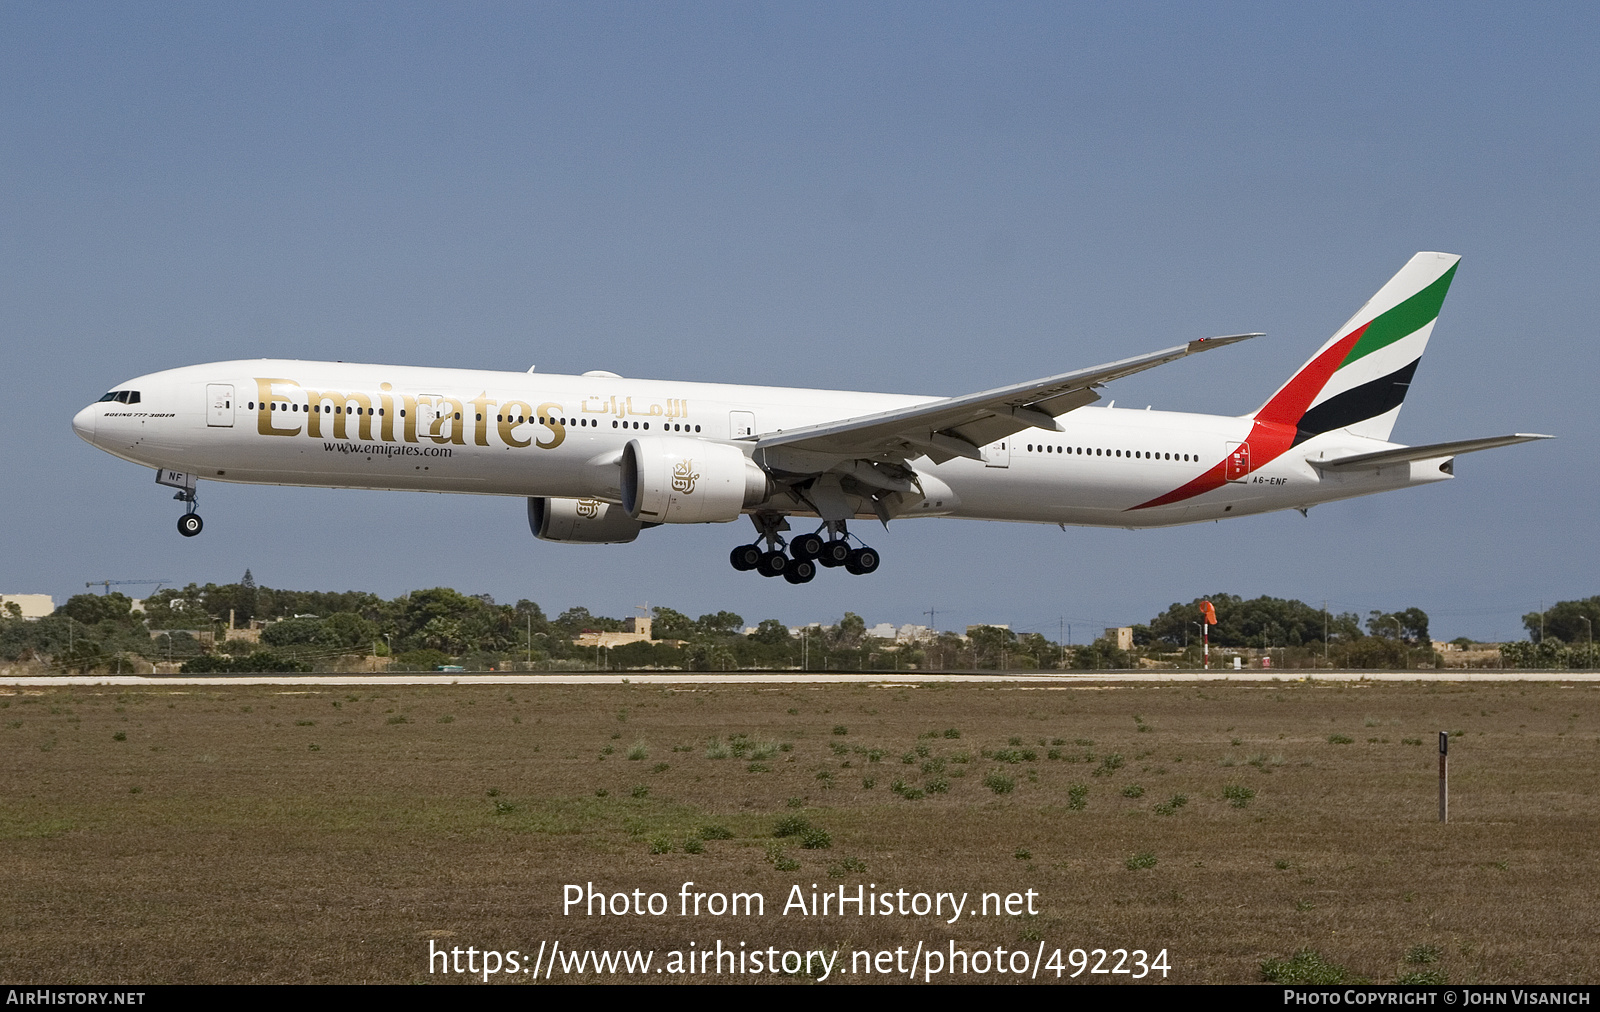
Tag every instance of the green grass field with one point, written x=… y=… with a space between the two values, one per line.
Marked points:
x=253 y=834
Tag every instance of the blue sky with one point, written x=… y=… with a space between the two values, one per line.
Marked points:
x=916 y=198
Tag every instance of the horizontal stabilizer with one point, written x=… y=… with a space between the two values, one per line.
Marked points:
x=1403 y=454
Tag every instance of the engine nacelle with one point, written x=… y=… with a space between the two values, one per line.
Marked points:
x=581 y=521
x=674 y=480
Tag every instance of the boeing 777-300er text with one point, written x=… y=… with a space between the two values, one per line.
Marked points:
x=600 y=457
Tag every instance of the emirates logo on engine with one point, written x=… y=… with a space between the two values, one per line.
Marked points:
x=683 y=477
x=588 y=508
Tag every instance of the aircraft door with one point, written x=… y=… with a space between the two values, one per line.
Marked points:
x=1237 y=464
x=430 y=409
x=219 y=404
x=998 y=454
x=741 y=424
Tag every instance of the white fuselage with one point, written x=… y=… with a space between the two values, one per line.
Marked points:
x=534 y=435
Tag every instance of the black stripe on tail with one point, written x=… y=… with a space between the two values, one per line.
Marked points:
x=1356 y=404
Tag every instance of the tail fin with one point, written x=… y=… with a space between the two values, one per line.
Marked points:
x=1359 y=378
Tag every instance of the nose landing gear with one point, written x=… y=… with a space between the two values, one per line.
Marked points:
x=190 y=523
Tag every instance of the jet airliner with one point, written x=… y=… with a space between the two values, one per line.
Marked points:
x=600 y=458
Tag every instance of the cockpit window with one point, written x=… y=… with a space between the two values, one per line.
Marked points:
x=122 y=396
x=109 y=397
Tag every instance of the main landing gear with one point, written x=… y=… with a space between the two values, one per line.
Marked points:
x=805 y=551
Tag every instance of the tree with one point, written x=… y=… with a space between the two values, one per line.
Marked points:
x=349 y=630
x=1040 y=650
x=525 y=611
x=669 y=624
x=1372 y=652
x=1101 y=655
x=92 y=609
x=1261 y=622
x=292 y=632
x=1410 y=624
x=1564 y=621
x=991 y=642
x=722 y=623
x=245 y=610
x=443 y=619
x=772 y=633
x=945 y=651
x=847 y=635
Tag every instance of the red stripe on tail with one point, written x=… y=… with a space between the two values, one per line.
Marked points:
x=1291 y=403
x=1275 y=423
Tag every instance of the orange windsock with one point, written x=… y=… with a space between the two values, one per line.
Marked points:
x=1208 y=613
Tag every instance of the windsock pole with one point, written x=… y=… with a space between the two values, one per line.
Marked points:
x=1208 y=618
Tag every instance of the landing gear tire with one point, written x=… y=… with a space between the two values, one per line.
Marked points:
x=190 y=524
x=772 y=564
x=800 y=572
x=861 y=562
x=834 y=553
x=746 y=557
x=806 y=546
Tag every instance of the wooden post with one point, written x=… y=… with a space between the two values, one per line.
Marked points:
x=1444 y=776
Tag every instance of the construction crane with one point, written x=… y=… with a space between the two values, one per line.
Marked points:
x=108 y=584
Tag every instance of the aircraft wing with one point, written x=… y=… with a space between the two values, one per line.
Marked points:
x=1403 y=454
x=959 y=426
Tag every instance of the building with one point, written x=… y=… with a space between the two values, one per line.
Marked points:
x=1122 y=636
x=634 y=630
x=31 y=606
x=914 y=634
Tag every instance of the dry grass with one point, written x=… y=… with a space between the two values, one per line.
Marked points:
x=253 y=834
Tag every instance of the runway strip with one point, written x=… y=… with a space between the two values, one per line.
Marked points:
x=1056 y=679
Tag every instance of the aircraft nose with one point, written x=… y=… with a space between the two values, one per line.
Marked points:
x=84 y=421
